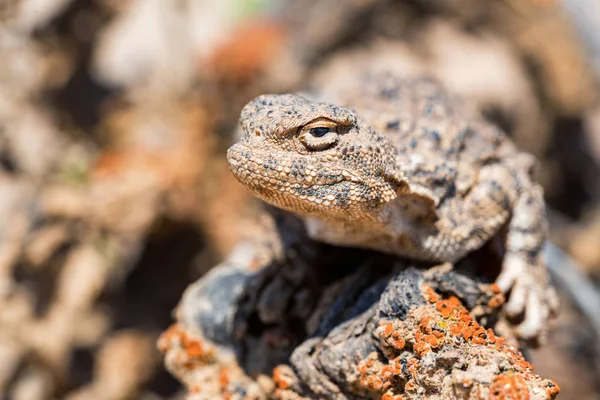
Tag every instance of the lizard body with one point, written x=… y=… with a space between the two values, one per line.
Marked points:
x=400 y=166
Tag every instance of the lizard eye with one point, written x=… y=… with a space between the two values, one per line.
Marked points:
x=319 y=135
x=318 y=138
x=319 y=131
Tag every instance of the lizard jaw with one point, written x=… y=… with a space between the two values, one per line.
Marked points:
x=297 y=185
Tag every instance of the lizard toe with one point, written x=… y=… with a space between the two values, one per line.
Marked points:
x=518 y=298
x=512 y=269
x=534 y=324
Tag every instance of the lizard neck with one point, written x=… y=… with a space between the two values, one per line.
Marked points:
x=369 y=233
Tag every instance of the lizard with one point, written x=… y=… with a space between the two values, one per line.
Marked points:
x=401 y=166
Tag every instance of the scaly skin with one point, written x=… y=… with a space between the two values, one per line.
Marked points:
x=407 y=170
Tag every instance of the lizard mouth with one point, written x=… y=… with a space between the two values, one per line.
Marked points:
x=253 y=168
x=294 y=184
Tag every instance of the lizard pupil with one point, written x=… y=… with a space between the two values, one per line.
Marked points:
x=319 y=131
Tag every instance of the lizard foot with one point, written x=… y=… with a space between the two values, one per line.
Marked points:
x=530 y=293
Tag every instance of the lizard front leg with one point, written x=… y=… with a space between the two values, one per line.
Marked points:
x=464 y=223
x=523 y=268
x=501 y=195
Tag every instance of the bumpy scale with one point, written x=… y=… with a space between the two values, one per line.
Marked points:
x=402 y=167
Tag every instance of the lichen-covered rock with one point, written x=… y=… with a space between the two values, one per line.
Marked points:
x=381 y=329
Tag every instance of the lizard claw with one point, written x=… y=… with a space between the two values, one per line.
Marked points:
x=530 y=293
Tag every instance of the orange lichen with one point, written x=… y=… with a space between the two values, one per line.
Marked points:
x=421 y=348
x=448 y=321
x=455 y=302
x=389 y=371
x=467 y=383
x=280 y=378
x=193 y=347
x=190 y=354
x=390 y=396
x=410 y=386
x=468 y=332
x=466 y=317
x=456 y=329
x=195 y=389
x=419 y=336
x=389 y=335
x=509 y=387
x=399 y=343
x=479 y=341
x=224 y=378
x=491 y=336
x=444 y=307
x=429 y=294
x=374 y=382
x=432 y=341
x=376 y=376
x=195 y=351
x=424 y=323
x=166 y=338
x=496 y=301
x=553 y=388
x=388 y=328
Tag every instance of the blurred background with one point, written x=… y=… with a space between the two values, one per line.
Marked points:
x=114 y=191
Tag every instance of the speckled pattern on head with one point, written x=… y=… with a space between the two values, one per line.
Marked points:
x=402 y=167
x=344 y=180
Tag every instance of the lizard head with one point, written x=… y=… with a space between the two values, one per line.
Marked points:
x=314 y=159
